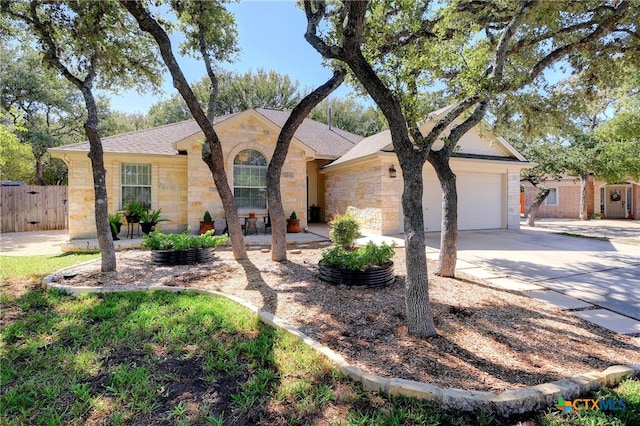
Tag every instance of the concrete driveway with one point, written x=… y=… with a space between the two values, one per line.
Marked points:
x=599 y=272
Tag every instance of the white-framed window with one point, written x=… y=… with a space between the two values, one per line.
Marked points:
x=250 y=180
x=135 y=180
x=552 y=198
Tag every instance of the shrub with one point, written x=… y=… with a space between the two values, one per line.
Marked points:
x=344 y=229
x=360 y=259
x=293 y=216
x=207 y=216
x=157 y=240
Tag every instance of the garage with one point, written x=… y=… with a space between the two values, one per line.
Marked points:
x=480 y=201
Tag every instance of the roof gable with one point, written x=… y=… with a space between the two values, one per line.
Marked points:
x=477 y=142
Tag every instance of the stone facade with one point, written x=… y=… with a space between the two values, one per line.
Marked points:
x=368 y=193
x=235 y=137
x=182 y=185
x=513 y=199
x=168 y=190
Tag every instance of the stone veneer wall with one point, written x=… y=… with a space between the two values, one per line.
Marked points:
x=251 y=134
x=368 y=193
x=513 y=200
x=168 y=191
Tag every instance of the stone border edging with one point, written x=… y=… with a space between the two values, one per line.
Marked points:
x=505 y=404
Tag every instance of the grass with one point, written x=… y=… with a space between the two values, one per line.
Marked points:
x=187 y=359
x=36 y=267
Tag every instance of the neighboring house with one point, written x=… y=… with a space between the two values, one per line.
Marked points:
x=325 y=166
x=617 y=201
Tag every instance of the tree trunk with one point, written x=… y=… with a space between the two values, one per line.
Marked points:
x=103 y=228
x=212 y=148
x=39 y=170
x=446 y=266
x=419 y=314
x=274 y=197
x=537 y=202
x=584 y=178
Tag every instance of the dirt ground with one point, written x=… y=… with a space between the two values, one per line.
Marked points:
x=488 y=339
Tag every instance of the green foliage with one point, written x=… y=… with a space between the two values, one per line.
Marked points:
x=16 y=159
x=207 y=216
x=350 y=115
x=115 y=219
x=343 y=230
x=151 y=216
x=360 y=259
x=237 y=92
x=293 y=216
x=157 y=240
x=134 y=208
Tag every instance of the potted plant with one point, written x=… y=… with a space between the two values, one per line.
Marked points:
x=293 y=224
x=364 y=267
x=206 y=224
x=149 y=219
x=182 y=249
x=115 y=222
x=133 y=211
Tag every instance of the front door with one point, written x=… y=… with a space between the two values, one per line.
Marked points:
x=615 y=198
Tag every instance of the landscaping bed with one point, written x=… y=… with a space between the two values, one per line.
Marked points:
x=489 y=339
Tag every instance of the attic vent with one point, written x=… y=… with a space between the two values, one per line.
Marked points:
x=182 y=152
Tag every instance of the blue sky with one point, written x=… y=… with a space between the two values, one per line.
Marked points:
x=271 y=36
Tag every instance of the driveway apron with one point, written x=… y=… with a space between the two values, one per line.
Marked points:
x=597 y=271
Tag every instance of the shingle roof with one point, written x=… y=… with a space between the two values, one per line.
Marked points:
x=368 y=146
x=328 y=143
x=158 y=140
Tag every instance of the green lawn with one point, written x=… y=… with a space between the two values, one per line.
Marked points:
x=186 y=359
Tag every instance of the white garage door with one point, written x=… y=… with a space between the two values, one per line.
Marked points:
x=479 y=201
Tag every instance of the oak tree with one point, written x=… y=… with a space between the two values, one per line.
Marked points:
x=398 y=51
x=91 y=45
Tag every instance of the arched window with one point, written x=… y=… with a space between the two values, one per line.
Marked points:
x=250 y=180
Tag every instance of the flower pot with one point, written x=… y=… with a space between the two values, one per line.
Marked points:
x=182 y=257
x=381 y=276
x=252 y=215
x=293 y=226
x=206 y=226
x=115 y=232
x=147 y=227
x=132 y=218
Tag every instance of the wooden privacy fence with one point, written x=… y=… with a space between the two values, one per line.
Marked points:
x=33 y=208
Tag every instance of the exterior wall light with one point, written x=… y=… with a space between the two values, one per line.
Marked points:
x=392 y=171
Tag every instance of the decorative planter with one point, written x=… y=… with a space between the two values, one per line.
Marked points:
x=293 y=226
x=147 y=227
x=182 y=257
x=206 y=226
x=114 y=233
x=132 y=218
x=381 y=276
